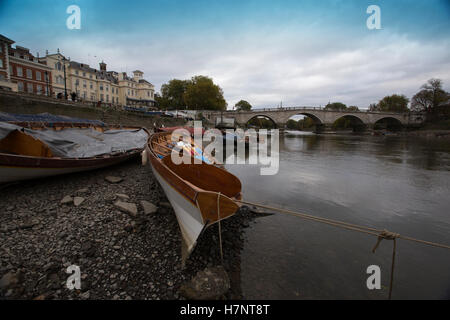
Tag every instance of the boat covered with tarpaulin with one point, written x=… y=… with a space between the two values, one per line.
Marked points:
x=31 y=150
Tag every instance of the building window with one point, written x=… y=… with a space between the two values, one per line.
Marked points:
x=1 y=48
x=29 y=88
x=29 y=74
x=39 y=89
x=101 y=87
x=84 y=94
x=58 y=66
x=20 y=86
x=1 y=62
x=84 y=74
x=2 y=77
x=38 y=76
x=101 y=97
x=76 y=72
x=107 y=98
x=19 y=71
x=84 y=83
x=91 y=86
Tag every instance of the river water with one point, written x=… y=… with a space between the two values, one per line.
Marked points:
x=397 y=183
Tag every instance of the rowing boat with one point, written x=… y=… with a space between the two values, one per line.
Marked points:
x=200 y=194
x=30 y=150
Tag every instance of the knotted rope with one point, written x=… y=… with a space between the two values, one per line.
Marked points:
x=220 y=229
x=388 y=236
x=380 y=234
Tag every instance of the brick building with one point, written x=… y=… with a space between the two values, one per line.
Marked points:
x=55 y=75
x=30 y=75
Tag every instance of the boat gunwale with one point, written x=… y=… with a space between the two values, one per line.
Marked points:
x=178 y=186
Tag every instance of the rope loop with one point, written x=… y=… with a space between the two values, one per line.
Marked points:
x=385 y=235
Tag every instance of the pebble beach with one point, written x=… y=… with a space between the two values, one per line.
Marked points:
x=115 y=224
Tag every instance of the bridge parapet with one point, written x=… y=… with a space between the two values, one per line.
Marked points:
x=320 y=116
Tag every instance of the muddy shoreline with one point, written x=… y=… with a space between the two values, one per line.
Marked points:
x=120 y=256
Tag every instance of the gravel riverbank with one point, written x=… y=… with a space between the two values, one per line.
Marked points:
x=121 y=255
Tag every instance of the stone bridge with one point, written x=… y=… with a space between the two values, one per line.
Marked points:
x=322 y=118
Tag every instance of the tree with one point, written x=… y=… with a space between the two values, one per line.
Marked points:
x=305 y=123
x=243 y=106
x=394 y=103
x=202 y=94
x=421 y=101
x=353 y=108
x=161 y=103
x=335 y=106
x=373 y=107
x=430 y=97
x=198 y=93
x=292 y=124
x=172 y=94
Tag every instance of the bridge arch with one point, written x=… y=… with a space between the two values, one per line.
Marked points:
x=355 y=123
x=317 y=125
x=389 y=123
x=262 y=116
x=315 y=118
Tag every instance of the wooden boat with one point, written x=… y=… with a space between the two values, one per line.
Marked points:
x=200 y=194
x=24 y=156
x=170 y=129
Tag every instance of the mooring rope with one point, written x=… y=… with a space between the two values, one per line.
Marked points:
x=220 y=229
x=380 y=234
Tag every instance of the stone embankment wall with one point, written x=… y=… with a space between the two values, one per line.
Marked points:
x=31 y=104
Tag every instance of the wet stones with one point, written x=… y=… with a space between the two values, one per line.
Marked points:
x=126 y=207
x=10 y=280
x=209 y=284
x=122 y=196
x=67 y=200
x=113 y=179
x=148 y=207
x=78 y=201
x=143 y=251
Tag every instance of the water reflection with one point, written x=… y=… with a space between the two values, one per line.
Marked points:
x=386 y=182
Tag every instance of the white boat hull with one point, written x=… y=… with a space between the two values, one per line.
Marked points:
x=188 y=215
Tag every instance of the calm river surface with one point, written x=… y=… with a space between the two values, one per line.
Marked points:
x=397 y=183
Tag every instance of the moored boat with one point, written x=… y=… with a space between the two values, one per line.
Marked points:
x=200 y=194
x=30 y=150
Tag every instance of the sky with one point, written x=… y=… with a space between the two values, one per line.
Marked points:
x=298 y=52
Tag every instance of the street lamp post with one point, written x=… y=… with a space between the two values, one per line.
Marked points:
x=65 y=77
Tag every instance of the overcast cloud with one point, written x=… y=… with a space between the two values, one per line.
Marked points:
x=294 y=53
